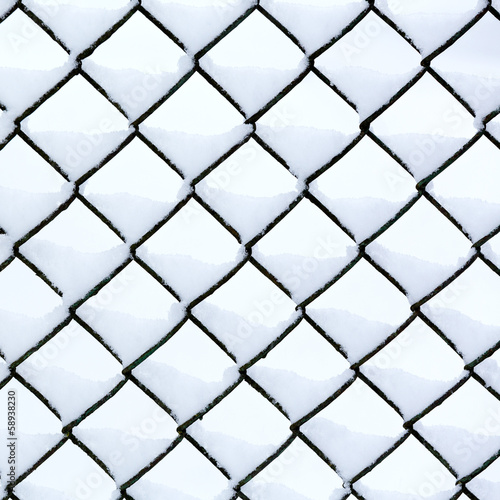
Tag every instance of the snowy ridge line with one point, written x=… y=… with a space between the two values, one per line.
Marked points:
x=303 y=316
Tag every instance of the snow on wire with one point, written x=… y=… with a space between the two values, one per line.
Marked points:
x=253 y=242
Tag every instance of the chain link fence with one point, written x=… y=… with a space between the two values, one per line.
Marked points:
x=134 y=375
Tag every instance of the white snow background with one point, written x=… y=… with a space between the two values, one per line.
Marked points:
x=250 y=249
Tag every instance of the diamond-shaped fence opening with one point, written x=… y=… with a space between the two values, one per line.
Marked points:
x=250 y=249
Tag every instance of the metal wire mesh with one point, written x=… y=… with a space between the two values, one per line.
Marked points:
x=303 y=316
